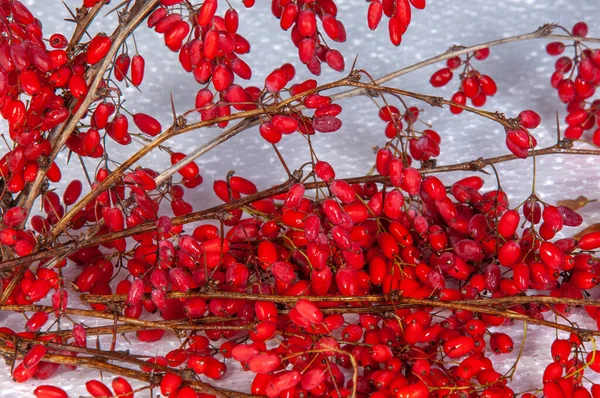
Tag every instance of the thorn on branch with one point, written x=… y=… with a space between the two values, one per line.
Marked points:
x=478 y=165
x=427 y=164
x=354 y=76
x=79 y=11
x=565 y=143
x=455 y=47
x=181 y=122
x=371 y=93
x=546 y=29
x=435 y=101
x=297 y=175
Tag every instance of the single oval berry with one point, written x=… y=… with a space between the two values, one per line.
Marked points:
x=47 y=391
x=590 y=241
x=97 y=49
x=147 y=124
x=138 y=65
x=441 y=77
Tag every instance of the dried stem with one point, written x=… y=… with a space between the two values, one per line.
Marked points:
x=485 y=306
x=543 y=32
x=87 y=16
x=374 y=298
x=94 y=76
x=184 y=324
x=179 y=329
x=95 y=362
x=174 y=131
x=218 y=211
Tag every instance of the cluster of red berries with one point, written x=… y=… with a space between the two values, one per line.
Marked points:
x=477 y=88
x=473 y=85
x=324 y=118
x=301 y=17
x=399 y=13
x=211 y=53
x=404 y=235
x=29 y=75
x=363 y=239
x=576 y=79
x=36 y=83
x=519 y=140
x=422 y=145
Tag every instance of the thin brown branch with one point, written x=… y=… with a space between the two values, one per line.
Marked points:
x=95 y=362
x=86 y=17
x=543 y=32
x=374 y=298
x=178 y=329
x=485 y=306
x=180 y=129
x=218 y=211
x=183 y=324
x=94 y=76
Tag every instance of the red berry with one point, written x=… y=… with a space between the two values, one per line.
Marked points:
x=46 y=391
x=98 y=389
x=276 y=81
x=441 y=77
x=374 y=14
x=459 y=98
x=97 y=49
x=137 y=69
x=580 y=29
x=589 y=241
x=529 y=119
x=122 y=388
x=555 y=48
x=488 y=85
x=481 y=54
x=147 y=124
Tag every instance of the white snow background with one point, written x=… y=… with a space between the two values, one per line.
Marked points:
x=522 y=71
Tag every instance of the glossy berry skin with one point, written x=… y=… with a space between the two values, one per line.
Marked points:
x=147 y=124
x=458 y=347
x=97 y=389
x=441 y=77
x=138 y=65
x=47 y=391
x=122 y=387
x=121 y=67
x=97 y=49
x=501 y=343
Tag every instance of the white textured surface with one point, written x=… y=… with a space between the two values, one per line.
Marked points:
x=522 y=71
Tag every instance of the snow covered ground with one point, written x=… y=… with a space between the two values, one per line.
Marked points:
x=522 y=71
